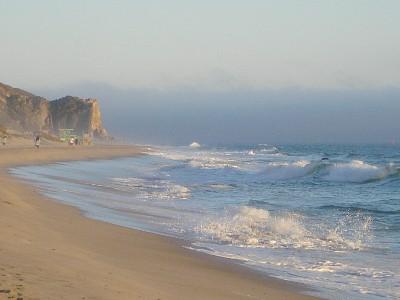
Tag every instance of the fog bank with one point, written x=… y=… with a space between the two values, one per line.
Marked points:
x=227 y=117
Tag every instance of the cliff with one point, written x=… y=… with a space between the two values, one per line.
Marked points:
x=83 y=115
x=25 y=112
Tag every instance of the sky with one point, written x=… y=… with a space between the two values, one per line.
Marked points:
x=249 y=60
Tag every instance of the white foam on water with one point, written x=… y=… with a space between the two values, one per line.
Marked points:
x=202 y=159
x=290 y=246
x=194 y=145
x=340 y=280
x=269 y=149
x=152 y=189
x=288 y=170
x=358 y=171
x=355 y=171
x=251 y=152
x=248 y=226
x=219 y=186
x=217 y=159
x=212 y=163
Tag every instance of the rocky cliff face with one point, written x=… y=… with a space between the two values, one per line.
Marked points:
x=22 y=111
x=83 y=115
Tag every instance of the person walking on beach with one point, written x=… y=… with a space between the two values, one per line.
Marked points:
x=37 y=142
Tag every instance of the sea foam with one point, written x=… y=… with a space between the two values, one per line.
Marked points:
x=152 y=188
x=288 y=170
x=255 y=227
x=358 y=171
x=195 y=145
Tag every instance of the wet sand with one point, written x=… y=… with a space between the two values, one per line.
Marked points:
x=50 y=251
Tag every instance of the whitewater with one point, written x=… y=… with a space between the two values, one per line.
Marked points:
x=324 y=215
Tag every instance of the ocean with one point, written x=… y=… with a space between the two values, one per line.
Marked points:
x=327 y=216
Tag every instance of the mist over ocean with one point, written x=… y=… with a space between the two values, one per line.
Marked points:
x=280 y=116
x=324 y=215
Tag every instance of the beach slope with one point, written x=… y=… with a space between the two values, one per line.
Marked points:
x=50 y=251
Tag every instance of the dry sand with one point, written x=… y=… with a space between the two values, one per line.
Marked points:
x=50 y=251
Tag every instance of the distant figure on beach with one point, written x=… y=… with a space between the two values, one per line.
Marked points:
x=4 y=140
x=76 y=141
x=37 y=141
x=71 y=141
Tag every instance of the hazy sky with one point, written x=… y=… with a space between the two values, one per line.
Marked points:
x=221 y=71
x=218 y=44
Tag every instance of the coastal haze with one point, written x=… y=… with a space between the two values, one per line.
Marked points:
x=171 y=73
x=265 y=133
x=286 y=116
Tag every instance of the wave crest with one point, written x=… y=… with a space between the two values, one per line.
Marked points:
x=254 y=227
x=195 y=145
x=288 y=170
x=358 y=171
x=355 y=171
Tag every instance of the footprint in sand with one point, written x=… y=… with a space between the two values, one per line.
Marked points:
x=11 y=286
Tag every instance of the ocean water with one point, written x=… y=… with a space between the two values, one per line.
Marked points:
x=327 y=216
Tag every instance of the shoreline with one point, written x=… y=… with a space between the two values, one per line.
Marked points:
x=50 y=250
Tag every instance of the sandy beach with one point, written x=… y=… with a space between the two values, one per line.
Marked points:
x=50 y=251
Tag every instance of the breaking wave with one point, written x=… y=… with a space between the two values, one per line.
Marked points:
x=202 y=160
x=264 y=163
x=195 y=145
x=271 y=167
x=355 y=171
x=254 y=227
x=269 y=149
x=288 y=170
x=265 y=149
x=216 y=159
x=359 y=171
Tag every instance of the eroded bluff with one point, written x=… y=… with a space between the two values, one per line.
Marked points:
x=22 y=111
x=83 y=115
x=25 y=112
